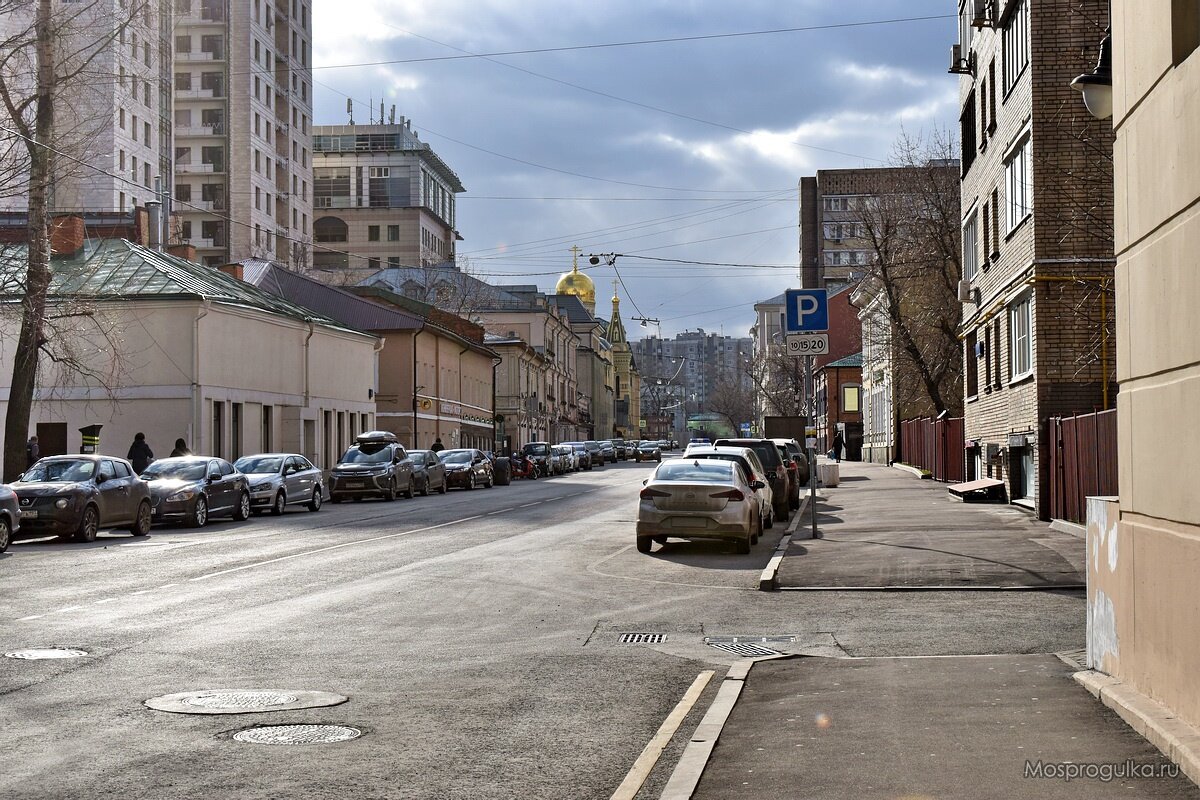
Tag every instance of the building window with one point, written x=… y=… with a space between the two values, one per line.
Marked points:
x=1020 y=346
x=971 y=363
x=266 y=429
x=970 y=246
x=1016 y=45
x=1185 y=29
x=393 y=261
x=967 y=131
x=1018 y=181
x=372 y=233
x=393 y=233
x=851 y=398
x=997 y=377
x=994 y=251
x=373 y=263
x=218 y=428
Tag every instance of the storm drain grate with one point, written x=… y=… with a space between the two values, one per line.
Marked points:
x=298 y=734
x=643 y=638
x=760 y=639
x=747 y=649
x=240 y=699
x=39 y=653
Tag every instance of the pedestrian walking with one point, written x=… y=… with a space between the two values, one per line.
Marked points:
x=437 y=445
x=140 y=454
x=32 y=451
x=837 y=446
x=181 y=449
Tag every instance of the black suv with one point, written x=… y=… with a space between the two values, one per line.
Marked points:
x=375 y=465
x=777 y=472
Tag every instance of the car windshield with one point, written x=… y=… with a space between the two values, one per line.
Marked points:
x=259 y=464
x=537 y=449
x=456 y=457
x=648 y=446
x=724 y=457
x=367 y=454
x=705 y=472
x=417 y=456
x=70 y=471
x=176 y=470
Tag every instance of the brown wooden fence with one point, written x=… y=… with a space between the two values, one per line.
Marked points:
x=1082 y=462
x=936 y=445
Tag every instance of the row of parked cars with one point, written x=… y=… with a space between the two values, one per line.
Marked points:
x=559 y=459
x=729 y=490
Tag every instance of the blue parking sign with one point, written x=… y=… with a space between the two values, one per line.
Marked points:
x=807 y=310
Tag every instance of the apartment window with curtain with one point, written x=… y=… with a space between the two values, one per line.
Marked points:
x=1020 y=346
x=1018 y=182
x=970 y=247
x=1016 y=45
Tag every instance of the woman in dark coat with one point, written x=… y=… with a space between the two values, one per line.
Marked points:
x=140 y=454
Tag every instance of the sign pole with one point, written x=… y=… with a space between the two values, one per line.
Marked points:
x=812 y=450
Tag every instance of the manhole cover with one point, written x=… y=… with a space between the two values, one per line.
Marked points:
x=240 y=699
x=761 y=639
x=235 y=701
x=747 y=649
x=38 y=653
x=298 y=734
x=643 y=638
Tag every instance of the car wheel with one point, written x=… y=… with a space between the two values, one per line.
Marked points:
x=425 y=488
x=89 y=526
x=491 y=481
x=279 y=504
x=442 y=488
x=643 y=544
x=411 y=491
x=199 y=516
x=390 y=493
x=242 y=512
x=471 y=481
x=770 y=521
x=141 y=523
x=5 y=534
x=743 y=546
x=317 y=499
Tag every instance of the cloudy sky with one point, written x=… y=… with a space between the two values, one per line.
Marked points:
x=685 y=150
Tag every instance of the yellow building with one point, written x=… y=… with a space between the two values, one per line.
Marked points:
x=627 y=384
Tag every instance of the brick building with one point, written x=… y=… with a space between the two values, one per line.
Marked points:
x=1037 y=232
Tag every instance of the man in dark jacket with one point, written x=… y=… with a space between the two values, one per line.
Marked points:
x=140 y=454
x=437 y=445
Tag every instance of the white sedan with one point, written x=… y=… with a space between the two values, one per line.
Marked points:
x=695 y=500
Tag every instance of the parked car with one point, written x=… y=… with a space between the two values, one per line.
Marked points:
x=376 y=465
x=429 y=472
x=197 y=488
x=608 y=451
x=467 y=468
x=648 y=451
x=777 y=474
x=10 y=516
x=564 y=458
x=596 y=451
x=622 y=450
x=747 y=459
x=697 y=499
x=76 y=496
x=278 y=480
x=797 y=463
x=540 y=453
x=583 y=456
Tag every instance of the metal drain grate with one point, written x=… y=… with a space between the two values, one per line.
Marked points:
x=241 y=699
x=643 y=638
x=747 y=649
x=761 y=639
x=298 y=734
x=39 y=653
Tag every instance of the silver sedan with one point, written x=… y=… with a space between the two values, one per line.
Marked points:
x=696 y=500
x=278 y=480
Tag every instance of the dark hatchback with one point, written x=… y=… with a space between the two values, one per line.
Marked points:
x=467 y=468
x=76 y=496
x=777 y=471
x=428 y=471
x=10 y=516
x=195 y=488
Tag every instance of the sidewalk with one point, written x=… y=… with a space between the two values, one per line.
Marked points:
x=883 y=527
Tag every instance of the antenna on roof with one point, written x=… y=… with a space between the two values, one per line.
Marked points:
x=392 y=116
x=350 y=109
x=381 y=111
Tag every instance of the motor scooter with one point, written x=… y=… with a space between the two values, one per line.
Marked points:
x=523 y=466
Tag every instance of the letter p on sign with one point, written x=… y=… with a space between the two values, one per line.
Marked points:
x=807 y=311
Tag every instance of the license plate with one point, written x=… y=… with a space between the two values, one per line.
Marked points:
x=355 y=484
x=28 y=514
x=690 y=522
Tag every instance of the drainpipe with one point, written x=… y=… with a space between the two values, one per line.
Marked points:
x=419 y=331
x=495 y=365
x=460 y=394
x=195 y=426
x=307 y=395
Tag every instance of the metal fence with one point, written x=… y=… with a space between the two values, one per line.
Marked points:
x=1083 y=462
x=938 y=445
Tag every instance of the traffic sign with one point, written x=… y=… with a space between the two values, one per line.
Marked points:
x=807 y=311
x=807 y=344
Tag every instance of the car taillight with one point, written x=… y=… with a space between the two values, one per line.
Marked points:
x=732 y=494
x=648 y=493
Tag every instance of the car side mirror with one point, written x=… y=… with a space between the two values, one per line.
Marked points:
x=213 y=476
x=101 y=478
x=757 y=485
x=645 y=481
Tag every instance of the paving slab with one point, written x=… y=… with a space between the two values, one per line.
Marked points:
x=882 y=527
x=976 y=727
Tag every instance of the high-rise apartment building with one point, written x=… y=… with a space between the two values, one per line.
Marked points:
x=112 y=116
x=383 y=198
x=678 y=375
x=243 y=115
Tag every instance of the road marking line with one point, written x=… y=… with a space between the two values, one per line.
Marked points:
x=654 y=748
x=143 y=591
x=106 y=600
x=333 y=547
x=65 y=610
x=35 y=616
x=686 y=777
x=168 y=585
x=501 y=511
x=527 y=505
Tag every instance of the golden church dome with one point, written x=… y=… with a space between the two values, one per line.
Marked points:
x=578 y=284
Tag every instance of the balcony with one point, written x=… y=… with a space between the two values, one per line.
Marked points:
x=195 y=94
x=199 y=130
x=199 y=169
x=200 y=244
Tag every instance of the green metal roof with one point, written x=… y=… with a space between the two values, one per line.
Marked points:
x=855 y=360
x=118 y=269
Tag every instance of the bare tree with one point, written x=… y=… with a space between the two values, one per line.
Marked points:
x=733 y=400
x=41 y=54
x=778 y=381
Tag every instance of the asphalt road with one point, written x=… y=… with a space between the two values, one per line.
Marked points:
x=476 y=635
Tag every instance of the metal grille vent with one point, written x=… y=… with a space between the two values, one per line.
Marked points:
x=643 y=638
x=760 y=639
x=298 y=734
x=746 y=649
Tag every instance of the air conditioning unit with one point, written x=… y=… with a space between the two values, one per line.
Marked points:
x=983 y=15
x=958 y=64
x=964 y=290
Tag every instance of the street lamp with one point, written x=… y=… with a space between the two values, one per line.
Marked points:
x=1097 y=84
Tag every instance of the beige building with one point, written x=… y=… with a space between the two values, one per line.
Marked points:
x=243 y=116
x=575 y=295
x=1144 y=554
x=197 y=355
x=384 y=196
x=1037 y=252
